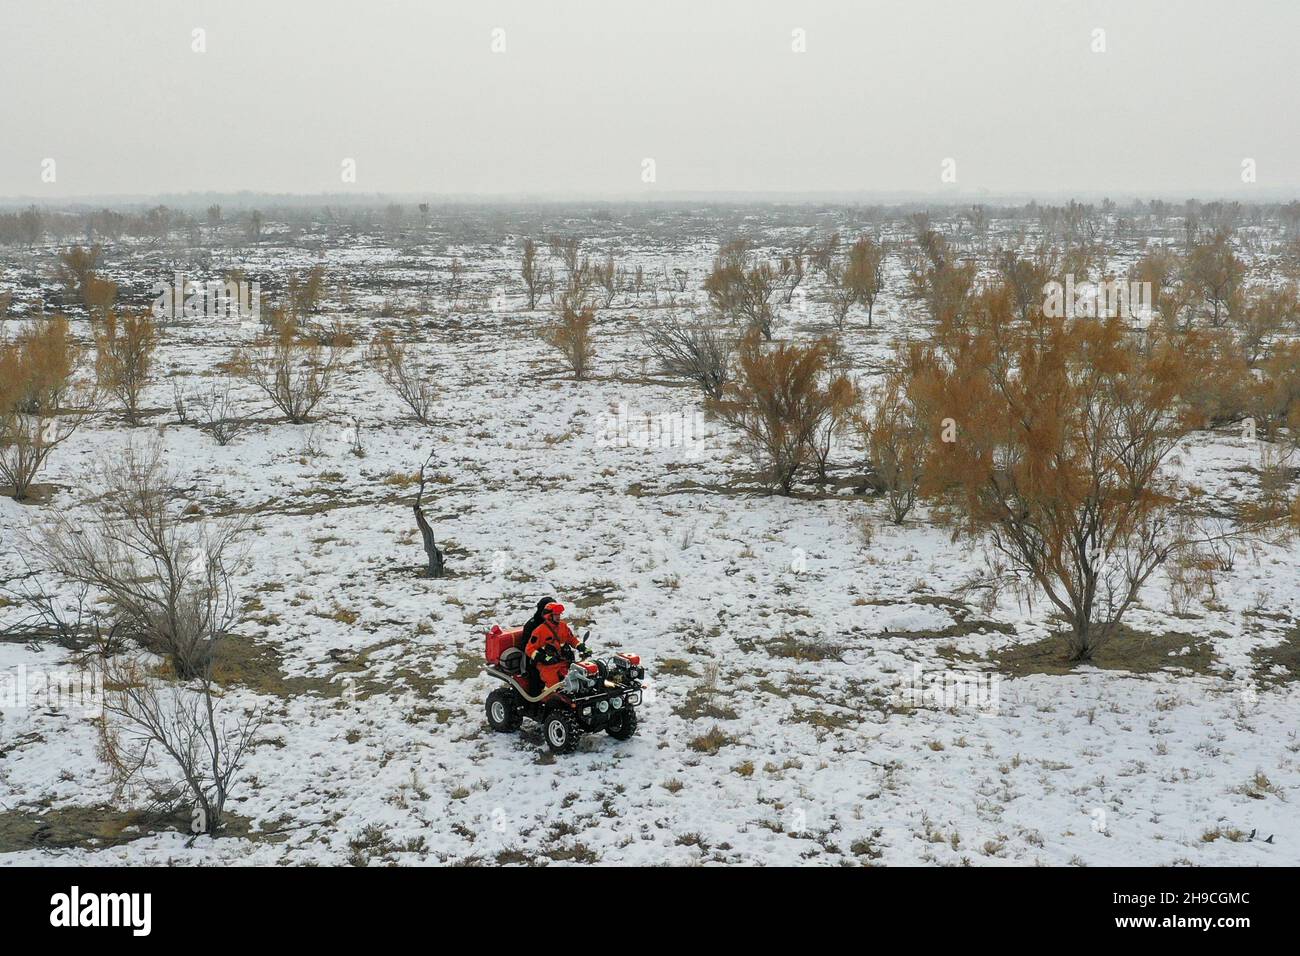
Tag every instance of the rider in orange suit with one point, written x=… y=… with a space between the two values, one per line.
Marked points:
x=546 y=646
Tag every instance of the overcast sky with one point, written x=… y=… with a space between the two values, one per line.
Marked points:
x=712 y=91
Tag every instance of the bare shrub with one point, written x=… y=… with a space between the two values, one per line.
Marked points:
x=577 y=289
x=1190 y=573
x=791 y=270
x=413 y=385
x=180 y=402
x=26 y=441
x=293 y=370
x=333 y=333
x=217 y=413
x=697 y=351
x=568 y=250
x=51 y=615
x=841 y=294
x=570 y=334
x=530 y=270
x=167 y=582
x=822 y=254
x=1277 y=507
x=456 y=283
x=609 y=278
x=172 y=740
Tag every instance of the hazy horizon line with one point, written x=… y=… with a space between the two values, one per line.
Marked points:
x=882 y=197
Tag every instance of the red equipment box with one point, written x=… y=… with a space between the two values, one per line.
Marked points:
x=497 y=641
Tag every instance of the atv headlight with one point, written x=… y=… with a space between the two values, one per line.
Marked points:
x=602 y=705
x=586 y=711
x=617 y=702
x=634 y=698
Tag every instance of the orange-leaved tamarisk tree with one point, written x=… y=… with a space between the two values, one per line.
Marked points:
x=1049 y=437
x=780 y=400
x=42 y=399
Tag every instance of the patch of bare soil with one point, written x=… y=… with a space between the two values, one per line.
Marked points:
x=38 y=493
x=1136 y=652
x=963 y=625
x=256 y=665
x=31 y=828
x=1279 y=664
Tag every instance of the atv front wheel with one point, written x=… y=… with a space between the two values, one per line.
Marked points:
x=503 y=710
x=561 y=732
x=623 y=726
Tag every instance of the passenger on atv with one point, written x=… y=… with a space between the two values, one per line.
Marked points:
x=552 y=644
x=530 y=673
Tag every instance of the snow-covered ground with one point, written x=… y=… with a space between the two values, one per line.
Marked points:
x=801 y=751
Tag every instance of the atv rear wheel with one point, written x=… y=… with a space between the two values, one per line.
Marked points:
x=561 y=731
x=503 y=710
x=623 y=726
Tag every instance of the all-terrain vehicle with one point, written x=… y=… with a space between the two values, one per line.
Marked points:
x=596 y=694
